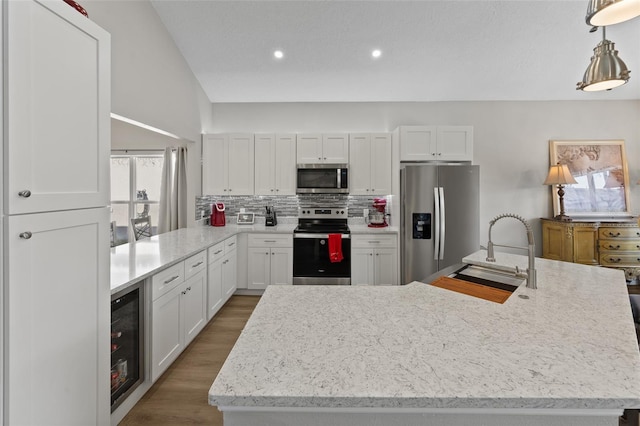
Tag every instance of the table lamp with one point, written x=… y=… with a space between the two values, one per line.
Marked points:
x=560 y=175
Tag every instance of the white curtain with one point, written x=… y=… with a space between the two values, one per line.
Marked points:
x=173 y=190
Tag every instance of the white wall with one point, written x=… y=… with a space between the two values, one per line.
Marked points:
x=152 y=84
x=511 y=141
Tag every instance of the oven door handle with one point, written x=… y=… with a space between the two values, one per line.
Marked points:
x=319 y=236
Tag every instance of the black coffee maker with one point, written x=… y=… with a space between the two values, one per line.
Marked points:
x=270 y=218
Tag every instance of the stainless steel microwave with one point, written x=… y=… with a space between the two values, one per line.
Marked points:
x=322 y=179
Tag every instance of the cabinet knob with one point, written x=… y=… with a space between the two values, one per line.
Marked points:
x=224 y=190
x=319 y=158
x=611 y=234
x=25 y=235
x=277 y=190
x=617 y=260
x=433 y=154
x=614 y=247
x=325 y=158
x=370 y=254
x=25 y=193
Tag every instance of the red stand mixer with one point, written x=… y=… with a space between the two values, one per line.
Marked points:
x=217 y=214
x=377 y=216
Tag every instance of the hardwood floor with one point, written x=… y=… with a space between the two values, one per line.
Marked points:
x=180 y=394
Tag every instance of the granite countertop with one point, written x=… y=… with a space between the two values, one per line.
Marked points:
x=136 y=261
x=571 y=345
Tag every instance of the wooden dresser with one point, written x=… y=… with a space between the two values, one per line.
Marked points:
x=614 y=244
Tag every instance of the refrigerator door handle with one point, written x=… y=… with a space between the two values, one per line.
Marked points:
x=442 y=223
x=436 y=243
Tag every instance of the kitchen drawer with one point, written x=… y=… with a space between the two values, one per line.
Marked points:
x=619 y=245
x=164 y=281
x=195 y=264
x=619 y=259
x=613 y=232
x=216 y=252
x=374 y=241
x=270 y=240
x=230 y=244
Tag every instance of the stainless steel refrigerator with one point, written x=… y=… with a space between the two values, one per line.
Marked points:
x=439 y=211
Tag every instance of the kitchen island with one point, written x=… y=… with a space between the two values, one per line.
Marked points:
x=422 y=355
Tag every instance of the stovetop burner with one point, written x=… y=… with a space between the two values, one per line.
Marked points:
x=322 y=220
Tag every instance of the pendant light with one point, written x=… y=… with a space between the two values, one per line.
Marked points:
x=606 y=69
x=609 y=12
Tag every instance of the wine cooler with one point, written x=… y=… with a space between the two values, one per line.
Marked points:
x=127 y=343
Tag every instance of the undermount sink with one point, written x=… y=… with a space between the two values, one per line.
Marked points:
x=477 y=281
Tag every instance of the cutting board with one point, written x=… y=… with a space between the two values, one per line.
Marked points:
x=472 y=289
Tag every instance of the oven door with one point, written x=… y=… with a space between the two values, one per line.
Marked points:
x=311 y=263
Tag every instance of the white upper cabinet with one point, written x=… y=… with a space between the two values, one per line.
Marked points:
x=275 y=164
x=227 y=164
x=436 y=143
x=370 y=164
x=57 y=137
x=322 y=148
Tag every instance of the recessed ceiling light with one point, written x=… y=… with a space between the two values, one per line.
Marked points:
x=278 y=54
x=376 y=53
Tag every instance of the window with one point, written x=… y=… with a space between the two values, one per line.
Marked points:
x=135 y=190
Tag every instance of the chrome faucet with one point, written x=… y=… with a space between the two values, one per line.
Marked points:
x=531 y=271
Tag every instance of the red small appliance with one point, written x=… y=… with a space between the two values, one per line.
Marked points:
x=377 y=216
x=217 y=214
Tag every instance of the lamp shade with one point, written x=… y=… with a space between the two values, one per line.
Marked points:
x=608 y=12
x=606 y=69
x=559 y=174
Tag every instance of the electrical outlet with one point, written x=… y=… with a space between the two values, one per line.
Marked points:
x=365 y=212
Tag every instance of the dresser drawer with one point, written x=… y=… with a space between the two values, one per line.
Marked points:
x=619 y=245
x=374 y=241
x=619 y=259
x=216 y=252
x=270 y=240
x=195 y=264
x=616 y=233
x=164 y=281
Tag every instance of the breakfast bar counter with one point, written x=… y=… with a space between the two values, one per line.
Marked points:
x=419 y=354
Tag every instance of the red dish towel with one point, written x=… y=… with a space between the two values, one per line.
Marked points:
x=335 y=248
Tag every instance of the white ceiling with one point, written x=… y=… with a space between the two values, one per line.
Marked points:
x=431 y=50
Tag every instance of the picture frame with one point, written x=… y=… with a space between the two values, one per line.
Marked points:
x=246 y=218
x=600 y=167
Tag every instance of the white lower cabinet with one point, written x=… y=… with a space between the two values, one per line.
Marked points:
x=374 y=259
x=178 y=311
x=270 y=258
x=229 y=268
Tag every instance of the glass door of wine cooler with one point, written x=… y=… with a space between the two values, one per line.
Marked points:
x=127 y=370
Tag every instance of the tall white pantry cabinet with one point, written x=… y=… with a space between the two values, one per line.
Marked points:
x=55 y=192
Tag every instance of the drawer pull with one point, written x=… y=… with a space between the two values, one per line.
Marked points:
x=231 y=244
x=197 y=264
x=614 y=247
x=617 y=260
x=371 y=242
x=172 y=279
x=269 y=241
x=217 y=252
x=184 y=292
x=611 y=234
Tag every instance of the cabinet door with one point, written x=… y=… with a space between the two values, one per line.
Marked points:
x=258 y=268
x=229 y=275
x=166 y=331
x=281 y=266
x=241 y=164
x=418 y=143
x=360 y=164
x=557 y=241
x=285 y=164
x=362 y=266
x=214 y=165
x=194 y=310
x=386 y=266
x=585 y=245
x=309 y=148
x=381 y=164
x=57 y=115
x=57 y=322
x=335 y=149
x=455 y=143
x=264 y=164
x=214 y=288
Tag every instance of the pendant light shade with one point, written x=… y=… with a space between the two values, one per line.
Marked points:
x=608 y=12
x=606 y=69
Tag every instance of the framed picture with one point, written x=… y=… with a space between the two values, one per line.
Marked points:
x=600 y=168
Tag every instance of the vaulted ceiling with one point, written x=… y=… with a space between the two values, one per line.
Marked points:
x=430 y=50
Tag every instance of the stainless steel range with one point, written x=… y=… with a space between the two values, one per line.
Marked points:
x=320 y=232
